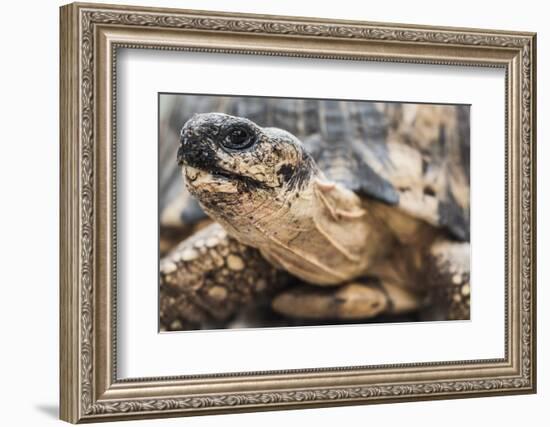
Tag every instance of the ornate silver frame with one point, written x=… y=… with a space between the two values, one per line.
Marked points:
x=90 y=36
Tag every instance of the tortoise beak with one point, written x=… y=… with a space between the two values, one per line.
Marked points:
x=195 y=152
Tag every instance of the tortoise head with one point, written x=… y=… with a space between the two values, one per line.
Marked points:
x=263 y=187
x=233 y=166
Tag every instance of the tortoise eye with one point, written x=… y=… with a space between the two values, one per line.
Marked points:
x=238 y=138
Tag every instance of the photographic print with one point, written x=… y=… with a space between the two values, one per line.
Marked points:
x=309 y=213
x=280 y=212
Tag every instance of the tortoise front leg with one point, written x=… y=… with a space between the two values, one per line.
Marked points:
x=360 y=299
x=209 y=277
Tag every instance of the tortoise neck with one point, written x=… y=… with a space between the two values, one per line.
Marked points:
x=322 y=234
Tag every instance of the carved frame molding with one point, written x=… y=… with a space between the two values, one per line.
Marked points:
x=90 y=37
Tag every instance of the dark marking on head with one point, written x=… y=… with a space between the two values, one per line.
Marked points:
x=286 y=172
x=302 y=172
x=297 y=176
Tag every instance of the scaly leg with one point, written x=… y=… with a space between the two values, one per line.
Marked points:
x=440 y=290
x=211 y=276
x=360 y=299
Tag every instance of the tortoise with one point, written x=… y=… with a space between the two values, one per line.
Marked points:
x=328 y=209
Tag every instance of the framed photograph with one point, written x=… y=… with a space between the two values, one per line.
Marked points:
x=268 y=212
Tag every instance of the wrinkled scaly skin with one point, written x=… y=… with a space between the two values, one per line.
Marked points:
x=287 y=220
